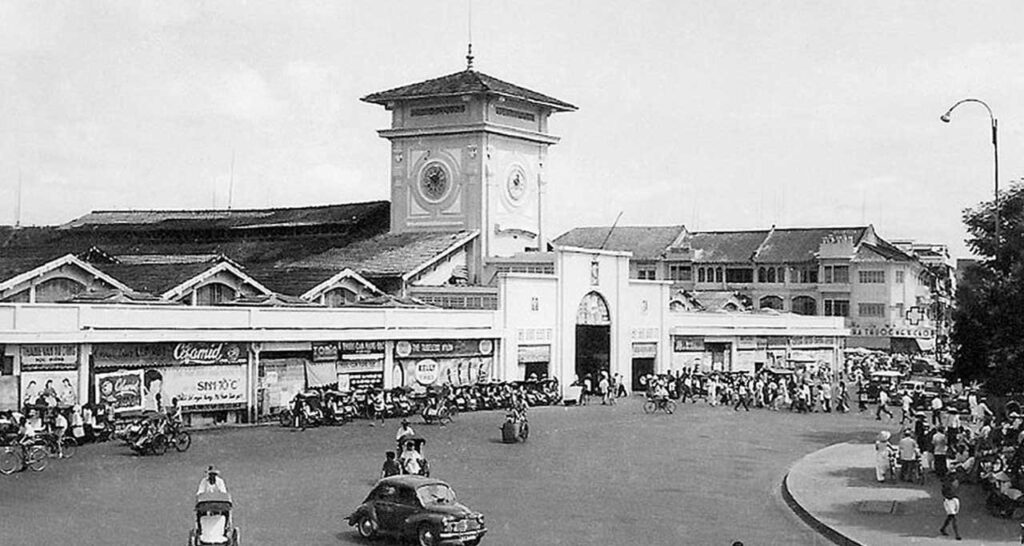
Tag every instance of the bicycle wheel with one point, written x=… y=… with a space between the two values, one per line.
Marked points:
x=69 y=447
x=670 y=407
x=36 y=458
x=650 y=406
x=159 y=446
x=182 y=441
x=285 y=418
x=10 y=460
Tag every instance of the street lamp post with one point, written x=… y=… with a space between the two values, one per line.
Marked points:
x=995 y=150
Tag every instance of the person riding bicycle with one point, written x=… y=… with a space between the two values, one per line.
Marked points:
x=174 y=417
x=212 y=482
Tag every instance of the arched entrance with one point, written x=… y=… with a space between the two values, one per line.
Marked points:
x=593 y=337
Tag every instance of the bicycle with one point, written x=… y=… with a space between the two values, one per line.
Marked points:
x=63 y=447
x=654 y=404
x=22 y=455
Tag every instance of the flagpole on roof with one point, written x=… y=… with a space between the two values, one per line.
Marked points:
x=610 y=230
x=469 y=34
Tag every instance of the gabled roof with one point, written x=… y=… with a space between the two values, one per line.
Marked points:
x=795 y=245
x=331 y=282
x=724 y=246
x=888 y=252
x=645 y=242
x=466 y=82
x=172 y=277
x=118 y=297
x=68 y=259
x=389 y=255
x=238 y=219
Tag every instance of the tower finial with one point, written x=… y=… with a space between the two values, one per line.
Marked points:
x=469 y=35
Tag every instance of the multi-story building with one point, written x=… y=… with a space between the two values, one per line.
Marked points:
x=887 y=296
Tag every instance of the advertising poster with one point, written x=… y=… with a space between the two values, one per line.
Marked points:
x=62 y=385
x=122 y=390
x=452 y=371
x=204 y=385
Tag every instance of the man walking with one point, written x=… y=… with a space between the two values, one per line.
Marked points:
x=741 y=396
x=883 y=405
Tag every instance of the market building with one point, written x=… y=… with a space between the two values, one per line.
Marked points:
x=454 y=281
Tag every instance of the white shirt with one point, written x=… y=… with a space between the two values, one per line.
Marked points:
x=217 y=486
x=936 y=403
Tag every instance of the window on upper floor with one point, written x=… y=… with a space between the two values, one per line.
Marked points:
x=739 y=274
x=718 y=274
x=871 y=309
x=647 y=272
x=899 y=276
x=805 y=305
x=871 y=277
x=805 y=275
x=339 y=297
x=701 y=274
x=837 y=308
x=837 y=274
x=214 y=293
x=679 y=272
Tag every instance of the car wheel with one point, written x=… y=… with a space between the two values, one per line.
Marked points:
x=473 y=542
x=427 y=535
x=367 y=527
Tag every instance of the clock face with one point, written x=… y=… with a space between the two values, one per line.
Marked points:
x=434 y=182
x=516 y=185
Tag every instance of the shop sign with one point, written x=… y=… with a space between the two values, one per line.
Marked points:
x=144 y=355
x=687 y=343
x=360 y=365
x=444 y=348
x=122 y=390
x=645 y=350
x=361 y=381
x=204 y=385
x=529 y=354
x=49 y=357
x=888 y=330
x=325 y=352
x=362 y=348
x=426 y=371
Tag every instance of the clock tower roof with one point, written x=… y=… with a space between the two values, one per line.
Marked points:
x=466 y=82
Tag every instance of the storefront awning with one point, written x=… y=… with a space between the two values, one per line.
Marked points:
x=869 y=342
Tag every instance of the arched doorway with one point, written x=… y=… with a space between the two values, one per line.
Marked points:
x=593 y=337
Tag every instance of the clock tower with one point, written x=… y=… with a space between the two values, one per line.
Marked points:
x=467 y=153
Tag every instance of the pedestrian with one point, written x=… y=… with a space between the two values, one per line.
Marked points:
x=908 y=454
x=825 y=394
x=404 y=431
x=613 y=389
x=937 y=411
x=905 y=402
x=604 y=388
x=378 y=406
x=951 y=505
x=588 y=384
x=843 y=398
x=939 y=451
x=741 y=396
x=883 y=405
x=390 y=467
x=620 y=382
x=882 y=455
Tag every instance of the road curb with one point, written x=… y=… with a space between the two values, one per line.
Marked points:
x=808 y=518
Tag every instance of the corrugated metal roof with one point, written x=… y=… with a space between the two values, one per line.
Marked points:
x=239 y=219
x=466 y=82
x=795 y=245
x=724 y=246
x=392 y=254
x=645 y=242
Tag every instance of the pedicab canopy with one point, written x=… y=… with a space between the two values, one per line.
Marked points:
x=213 y=501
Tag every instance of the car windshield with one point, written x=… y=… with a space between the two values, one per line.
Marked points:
x=437 y=493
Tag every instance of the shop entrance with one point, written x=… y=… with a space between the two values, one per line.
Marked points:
x=593 y=337
x=641 y=367
x=539 y=369
x=721 y=354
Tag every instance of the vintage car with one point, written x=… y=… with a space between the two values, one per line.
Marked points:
x=424 y=509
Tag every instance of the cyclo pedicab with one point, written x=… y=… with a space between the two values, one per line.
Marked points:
x=437 y=409
x=411 y=459
x=516 y=427
x=213 y=521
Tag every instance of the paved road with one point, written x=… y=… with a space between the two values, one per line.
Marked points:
x=590 y=475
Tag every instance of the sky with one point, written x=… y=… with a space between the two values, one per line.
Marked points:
x=717 y=114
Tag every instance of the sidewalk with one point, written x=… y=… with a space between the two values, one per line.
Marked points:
x=834 y=489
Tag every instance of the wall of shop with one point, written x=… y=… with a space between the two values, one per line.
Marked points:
x=529 y=312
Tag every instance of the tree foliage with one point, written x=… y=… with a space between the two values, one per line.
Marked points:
x=988 y=322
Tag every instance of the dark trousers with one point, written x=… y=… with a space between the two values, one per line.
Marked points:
x=940 y=465
x=951 y=518
x=882 y=409
x=741 y=401
x=937 y=417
